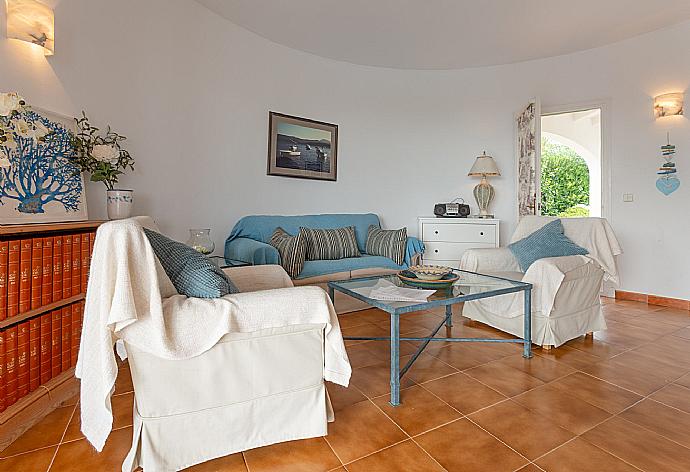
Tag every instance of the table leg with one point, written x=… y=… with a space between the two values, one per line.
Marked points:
x=395 y=360
x=331 y=294
x=449 y=316
x=527 y=337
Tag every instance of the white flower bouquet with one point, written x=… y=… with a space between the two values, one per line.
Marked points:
x=100 y=154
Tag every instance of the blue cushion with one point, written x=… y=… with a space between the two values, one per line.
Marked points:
x=323 y=267
x=261 y=227
x=192 y=273
x=548 y=241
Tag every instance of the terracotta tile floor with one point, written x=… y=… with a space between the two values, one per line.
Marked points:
x=617 y=402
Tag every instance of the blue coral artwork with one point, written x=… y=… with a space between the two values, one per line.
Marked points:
x=38 y=182
x=668 y=181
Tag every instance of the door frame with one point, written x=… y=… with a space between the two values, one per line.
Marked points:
x=605 y=106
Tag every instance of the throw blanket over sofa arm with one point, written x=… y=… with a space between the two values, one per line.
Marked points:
x=252 y=251
x=413 y=251
x=489 y=260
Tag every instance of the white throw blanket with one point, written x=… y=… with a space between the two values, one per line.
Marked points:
x=124 y=301
x=593 y=234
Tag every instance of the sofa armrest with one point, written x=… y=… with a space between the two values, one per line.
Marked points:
x=413 y=251
x=489 y=260
x=547 y=276
x=562 y=264
x=252 y=251
x=260 y=277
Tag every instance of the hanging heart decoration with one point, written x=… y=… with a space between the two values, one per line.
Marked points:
x=667 y=185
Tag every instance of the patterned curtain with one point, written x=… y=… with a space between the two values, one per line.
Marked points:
x=528 y=148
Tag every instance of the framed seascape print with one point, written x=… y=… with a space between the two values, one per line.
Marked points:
x=38 y=182
x=303 y=148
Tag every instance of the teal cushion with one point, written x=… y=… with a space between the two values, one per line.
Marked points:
x=192 y=273
x=324 y=267
x=548 y=241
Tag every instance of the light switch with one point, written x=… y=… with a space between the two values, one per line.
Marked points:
x=628 y=197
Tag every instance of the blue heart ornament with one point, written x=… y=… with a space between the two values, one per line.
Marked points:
x=667 y=185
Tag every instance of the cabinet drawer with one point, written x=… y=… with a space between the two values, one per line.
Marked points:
x=466 y=233
x=443 y=251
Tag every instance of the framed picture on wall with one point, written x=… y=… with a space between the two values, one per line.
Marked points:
x=303 y=148
x=38 y=182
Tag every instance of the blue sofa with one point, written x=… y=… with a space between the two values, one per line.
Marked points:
x=248 y=242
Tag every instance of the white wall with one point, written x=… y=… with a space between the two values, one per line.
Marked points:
x=192 y=92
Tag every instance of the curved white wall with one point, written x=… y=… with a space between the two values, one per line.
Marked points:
x=192 y=92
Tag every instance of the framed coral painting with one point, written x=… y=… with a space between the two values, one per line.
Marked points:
x=300 y=147
x=38 y=182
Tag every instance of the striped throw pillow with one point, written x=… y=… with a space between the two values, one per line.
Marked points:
x=292 y=250
x=387 y=243
x=329 y=244
x=192 y=273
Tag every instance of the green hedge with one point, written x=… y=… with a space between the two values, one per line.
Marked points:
x=564 y=181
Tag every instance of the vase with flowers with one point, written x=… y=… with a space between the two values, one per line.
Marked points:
x=101 y=155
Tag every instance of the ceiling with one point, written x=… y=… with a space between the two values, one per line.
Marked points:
x=448 y=34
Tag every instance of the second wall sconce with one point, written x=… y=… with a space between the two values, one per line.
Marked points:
x=668 y=104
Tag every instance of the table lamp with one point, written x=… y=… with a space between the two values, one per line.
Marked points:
x=483 y=166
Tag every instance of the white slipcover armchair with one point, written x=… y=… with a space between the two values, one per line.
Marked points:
x=249 y=390
x=565 y=297
x=211 y=376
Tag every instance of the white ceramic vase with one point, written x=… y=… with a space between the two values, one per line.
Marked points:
x=120 y=203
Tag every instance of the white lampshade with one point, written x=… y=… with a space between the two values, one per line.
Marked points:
x=484 y=165
x=33 y=22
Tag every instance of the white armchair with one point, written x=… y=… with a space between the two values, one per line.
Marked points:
x=249 y=390
x=211 y=376
x=565 y=298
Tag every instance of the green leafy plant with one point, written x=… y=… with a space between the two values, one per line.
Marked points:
x=575 y=211
x=564 y=181
x=100 y=154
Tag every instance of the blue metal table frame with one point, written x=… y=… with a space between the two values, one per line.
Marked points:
x=395 y=312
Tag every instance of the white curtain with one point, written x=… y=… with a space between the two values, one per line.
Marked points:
x=528 y=153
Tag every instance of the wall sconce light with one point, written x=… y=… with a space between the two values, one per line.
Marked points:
x=33 y=22
x=668 y=104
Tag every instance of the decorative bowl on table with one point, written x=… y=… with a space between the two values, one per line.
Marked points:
x=430 y=272
x=446 y=281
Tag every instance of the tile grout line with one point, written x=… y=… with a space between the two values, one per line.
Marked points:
x=383 y=448
x=52 y=460
x=499 y=440
x=375 y=452
x=325 y=438
x=647 y=397
x=583 y=439
x=428 y=453
x=69 y=441
x=244 y=461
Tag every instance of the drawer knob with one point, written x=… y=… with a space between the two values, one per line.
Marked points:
x=435 y=232
x=436 y=251
x=482 y=233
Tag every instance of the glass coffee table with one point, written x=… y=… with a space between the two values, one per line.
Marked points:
x=224 y=263
x=470 y=286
